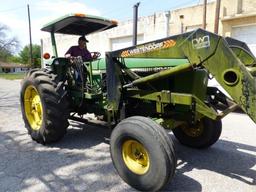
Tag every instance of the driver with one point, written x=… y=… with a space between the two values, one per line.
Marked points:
x=80 y=50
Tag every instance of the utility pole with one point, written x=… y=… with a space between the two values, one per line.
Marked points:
x=135 y=22
x=30 y=37
x=217 y=16
x=204 y=14
x=181 y=24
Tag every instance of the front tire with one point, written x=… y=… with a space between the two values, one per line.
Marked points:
x=44 y=106
x=202 y=135
x=142 y=153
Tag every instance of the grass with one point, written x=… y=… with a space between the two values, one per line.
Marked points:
x=12 y=76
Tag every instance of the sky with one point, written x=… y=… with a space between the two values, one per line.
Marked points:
x=13 y=13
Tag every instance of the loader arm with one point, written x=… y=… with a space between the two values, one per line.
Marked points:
x=202 y=49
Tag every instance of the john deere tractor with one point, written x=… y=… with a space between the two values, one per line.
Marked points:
x=141 y=91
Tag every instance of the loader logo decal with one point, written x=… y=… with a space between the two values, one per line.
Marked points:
x=201 y=42
x=148 y=48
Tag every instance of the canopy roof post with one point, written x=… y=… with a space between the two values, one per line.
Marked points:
x=54 y=46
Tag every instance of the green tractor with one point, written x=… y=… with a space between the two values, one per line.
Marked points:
x=141 y=91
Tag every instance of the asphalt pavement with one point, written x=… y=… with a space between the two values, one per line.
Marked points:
x=81 y=160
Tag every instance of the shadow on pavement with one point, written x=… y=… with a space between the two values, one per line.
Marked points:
x=81 y=162
x=83 y=136
x=234 y=160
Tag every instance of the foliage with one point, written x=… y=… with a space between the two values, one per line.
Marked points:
x=4 y=55
x=8 y=45
x=36 y=52
x=14 y=59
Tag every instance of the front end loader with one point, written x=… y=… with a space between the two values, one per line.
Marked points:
x=140 y=92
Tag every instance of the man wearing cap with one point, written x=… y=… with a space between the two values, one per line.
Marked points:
x=80 y=50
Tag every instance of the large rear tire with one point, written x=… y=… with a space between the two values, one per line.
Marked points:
x=44 y=106
x=142 y=153
x=202 y=135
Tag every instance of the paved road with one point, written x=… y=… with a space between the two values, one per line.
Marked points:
x=81 y=161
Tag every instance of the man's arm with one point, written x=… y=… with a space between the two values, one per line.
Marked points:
x=87 y=56
x=69 y=53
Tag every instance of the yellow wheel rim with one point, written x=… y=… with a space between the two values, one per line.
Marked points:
x=33 y=107
x=195 y=131
x=135 y=157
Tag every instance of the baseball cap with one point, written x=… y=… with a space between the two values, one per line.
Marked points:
x=82 y=38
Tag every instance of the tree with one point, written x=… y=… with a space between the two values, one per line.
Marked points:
x=36 y=54
x=14 y=59
x=8 y=45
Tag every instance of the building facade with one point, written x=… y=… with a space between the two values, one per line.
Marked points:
x=13 y=68
x=237 y=19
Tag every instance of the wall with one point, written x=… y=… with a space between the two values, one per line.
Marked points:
x=238 y=21
x=193 y=18
x=21 y=69
x=238 y=13
x=149 y=28
x=13 y=69
x=63 y=43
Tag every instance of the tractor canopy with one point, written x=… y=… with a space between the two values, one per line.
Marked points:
x=79 y=24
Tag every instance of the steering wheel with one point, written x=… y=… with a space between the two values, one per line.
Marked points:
x=95 y=55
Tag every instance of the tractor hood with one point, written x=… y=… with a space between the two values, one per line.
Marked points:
x=79 y=24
